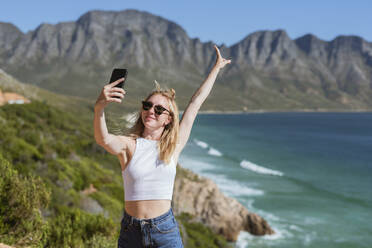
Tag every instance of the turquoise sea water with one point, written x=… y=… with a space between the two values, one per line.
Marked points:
x=308 y=174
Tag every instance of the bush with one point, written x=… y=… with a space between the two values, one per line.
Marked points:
x=75 y=228
x=21 y=199
x=200 y=235
x=22 y=224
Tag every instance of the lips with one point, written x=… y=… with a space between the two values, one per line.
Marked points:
x=150 y=118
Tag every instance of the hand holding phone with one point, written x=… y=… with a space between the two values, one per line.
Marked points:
x=116 y=74
x=113 y=91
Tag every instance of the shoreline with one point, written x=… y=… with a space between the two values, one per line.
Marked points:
x=206 y=112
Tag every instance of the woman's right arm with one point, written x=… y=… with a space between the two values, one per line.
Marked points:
x=112 y=143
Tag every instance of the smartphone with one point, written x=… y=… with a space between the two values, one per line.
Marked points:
x=116 y=74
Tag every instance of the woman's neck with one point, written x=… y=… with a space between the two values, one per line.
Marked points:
x=152 y=135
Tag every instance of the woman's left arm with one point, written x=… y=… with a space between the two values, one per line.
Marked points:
x=197 y=100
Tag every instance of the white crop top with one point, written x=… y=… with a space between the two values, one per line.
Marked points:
x=146 y=177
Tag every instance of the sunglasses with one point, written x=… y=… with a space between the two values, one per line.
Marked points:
x=146 y=105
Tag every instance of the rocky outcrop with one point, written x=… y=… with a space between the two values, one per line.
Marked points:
x=201 y=198
x=89 y=204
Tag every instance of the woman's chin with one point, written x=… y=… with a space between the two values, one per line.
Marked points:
x=149 y=124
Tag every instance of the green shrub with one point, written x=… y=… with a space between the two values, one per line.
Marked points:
x=99 y=241
x=21 y=199
x=75 y=228
x=23 y=152
x=109 y=203
x=200 y=235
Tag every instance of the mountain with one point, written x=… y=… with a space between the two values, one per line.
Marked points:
x=269 y=70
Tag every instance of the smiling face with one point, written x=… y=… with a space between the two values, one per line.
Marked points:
x=153 y=121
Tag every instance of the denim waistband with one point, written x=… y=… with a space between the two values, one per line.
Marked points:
x=156 y=220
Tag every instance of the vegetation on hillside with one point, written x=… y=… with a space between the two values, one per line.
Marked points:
x=47 y=158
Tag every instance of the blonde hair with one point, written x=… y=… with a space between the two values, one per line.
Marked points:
x=169 y=137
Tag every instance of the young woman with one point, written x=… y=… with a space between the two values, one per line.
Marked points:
x=148 y=158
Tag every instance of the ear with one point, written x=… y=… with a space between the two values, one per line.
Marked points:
x=169 y=120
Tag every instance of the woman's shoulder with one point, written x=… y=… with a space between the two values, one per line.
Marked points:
x=128 y=139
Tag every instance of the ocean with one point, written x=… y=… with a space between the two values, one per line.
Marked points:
x=309 y=175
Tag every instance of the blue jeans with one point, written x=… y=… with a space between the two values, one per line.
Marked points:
x=161 y=231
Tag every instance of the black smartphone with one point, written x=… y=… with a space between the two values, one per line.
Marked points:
x=116 y=74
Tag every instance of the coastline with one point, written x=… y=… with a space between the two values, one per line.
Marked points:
x=130 y=117
x=303 y=157
x=206 y=112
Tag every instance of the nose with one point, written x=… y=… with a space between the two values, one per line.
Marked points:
x=152 y=110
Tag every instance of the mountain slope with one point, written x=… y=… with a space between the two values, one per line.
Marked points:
x=268 y=71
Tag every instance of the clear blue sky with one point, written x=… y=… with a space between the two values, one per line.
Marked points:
x=218 y=21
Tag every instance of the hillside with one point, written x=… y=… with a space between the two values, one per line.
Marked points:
x=60 y=188
x=51 y=156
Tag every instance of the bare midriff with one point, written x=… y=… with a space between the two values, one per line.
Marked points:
x=142 y=209
x=147 y=209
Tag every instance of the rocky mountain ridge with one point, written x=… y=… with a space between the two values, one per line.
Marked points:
x=305 y=72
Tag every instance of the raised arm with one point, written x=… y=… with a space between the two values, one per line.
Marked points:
x=197 y=100
x=112 y=143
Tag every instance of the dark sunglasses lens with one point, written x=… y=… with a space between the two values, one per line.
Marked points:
x=146 y=105
x=159 y=109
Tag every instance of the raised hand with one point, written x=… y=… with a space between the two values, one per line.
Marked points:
x=221 y=62
x=109 y=91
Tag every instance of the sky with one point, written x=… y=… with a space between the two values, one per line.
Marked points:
x=218 y=21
